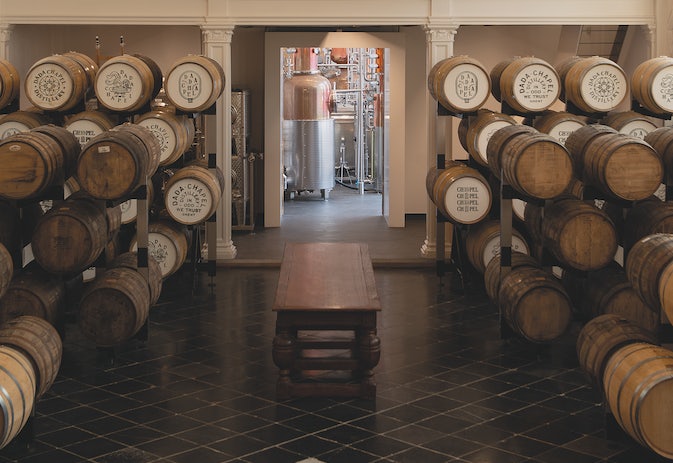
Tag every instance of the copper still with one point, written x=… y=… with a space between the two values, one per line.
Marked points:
x=308 y=130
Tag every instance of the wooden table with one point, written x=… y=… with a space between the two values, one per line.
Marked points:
x=326 y=306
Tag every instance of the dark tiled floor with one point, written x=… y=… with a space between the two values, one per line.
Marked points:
x=201 y=389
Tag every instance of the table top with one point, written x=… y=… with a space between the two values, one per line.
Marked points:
x=325 y=277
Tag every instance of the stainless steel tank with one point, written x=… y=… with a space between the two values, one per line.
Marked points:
x=308 y=130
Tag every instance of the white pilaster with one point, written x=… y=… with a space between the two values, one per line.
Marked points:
x=438 y=46
x=217 y=45
x=5 y=37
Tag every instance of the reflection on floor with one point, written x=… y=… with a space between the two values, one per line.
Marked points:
x=345 y=216
x=201 y=389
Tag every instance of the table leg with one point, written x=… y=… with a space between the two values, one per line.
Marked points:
x=283 y=356
x=369 y=354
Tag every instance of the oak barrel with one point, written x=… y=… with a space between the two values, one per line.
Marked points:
x=474 y=132
x=6 y=269
x=114 y=307
x=645 y=263
x=529 y=84
x=622 y=167
x=558 y=124
x=192 y=194
x=168 y=244
x=660 y=139
x=595 y=84
x=459 y=83
x=87 y=124
x=601 y=336
x=499 y=139
x=666 y=290
x=638 y=384
x=536 y=165
x=125 y=83
x=33 y=292
x=460 y=192
x=630 y=123
x=651 y=84
x=492 y=272
x=70 y=236
x=534 y=304
x=17 y=394
x=578 y=141
x=646 y=217
x=175 y=133
x=579 y=234
x=20 y=121
x=154 y=278
x=56 y=83
x=482 y=243
x=194 y=83
x=39 y=340
x=10 y=83
x=115 y=163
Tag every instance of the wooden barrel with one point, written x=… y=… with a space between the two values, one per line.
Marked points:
x=10 y=84
x=154 y=277
x=499 y=139
x=661 y=140
x=579 y=235
x=17 y=394
x=33 y=292
x=39 y=340
x=630 y=123
x=492 y=272
x=157 y=75
x=194 y=83
x=32 y=162
x=459 y=83
x=622 y=167
x=145 y=136
x=496 y=72
x=645 y=263
x=651 y=84
x=646 y=217
x=175 y=133
x=10 y=227
x=577 y=143
x=638 y=384
x=87 y=64
x=536 y=165
x=6 y=269
x=482 y=243
x=559 y=124
x=115 y=163
x=529 y=84
x=167 y=243
x=666 y=290
x=20 y=121
x=474 y=132
x=460 y=192
x=124 y=83
x=596 y=84
x=534 y=304
x=601 y=336
x=608 y=291
x=70 y=237
x=129 y=208
x=114 y=308
x=56 y=83
x=192 y=194
x=562 y=69
x=69 y=146
x=86 y=125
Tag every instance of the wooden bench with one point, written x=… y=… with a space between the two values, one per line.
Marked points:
x=326 y=306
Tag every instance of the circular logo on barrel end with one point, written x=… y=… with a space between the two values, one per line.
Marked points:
x=536 y=87
x=49 y=86
x=189 y=201
x=662 y=89
x=467 y=86
x=603 y=87
x=189 y=85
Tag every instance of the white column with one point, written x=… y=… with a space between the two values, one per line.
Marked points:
x=438 y=46
x=5 y=36
x=217 y=45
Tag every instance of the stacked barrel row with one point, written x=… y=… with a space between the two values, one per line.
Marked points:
x=103 y=156
x=635 y=376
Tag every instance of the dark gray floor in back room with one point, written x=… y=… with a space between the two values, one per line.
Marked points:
x=201 y=389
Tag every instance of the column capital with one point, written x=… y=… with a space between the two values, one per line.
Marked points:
x=217 y=34
x=440 y=32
